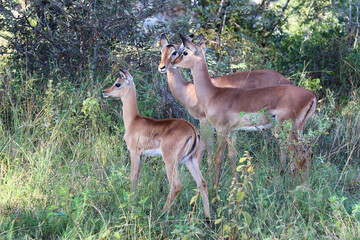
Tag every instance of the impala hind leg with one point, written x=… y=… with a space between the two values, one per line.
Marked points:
x=134 y=172
x=194 y=169
x=173 y=178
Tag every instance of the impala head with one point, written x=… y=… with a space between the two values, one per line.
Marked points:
x=190 y=52
x=121 y=85
x=168 y=53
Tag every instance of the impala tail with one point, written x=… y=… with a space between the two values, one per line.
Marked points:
x=312 y=108
x=192 y=146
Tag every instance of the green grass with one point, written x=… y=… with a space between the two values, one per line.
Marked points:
x=64 y=173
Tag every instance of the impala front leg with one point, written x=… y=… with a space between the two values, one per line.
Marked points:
x=207 y=140
x=232 y=153
x=134 y=172
x=302 y=157
x=283 y=158
x=284 y=149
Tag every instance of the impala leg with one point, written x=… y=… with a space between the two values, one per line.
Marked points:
x=283 y=151
x=194 y=169
x=173 y=177
x=134 y=172
x=221 y=141
x=283 y=158
x=301 y=155
x=294 y=166
x=232 y=153
x=207 y=140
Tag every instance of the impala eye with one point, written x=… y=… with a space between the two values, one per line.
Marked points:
x=117 y=84
x=185 y=53
x=174 y=53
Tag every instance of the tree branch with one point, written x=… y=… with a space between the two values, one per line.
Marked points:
x=273 y=26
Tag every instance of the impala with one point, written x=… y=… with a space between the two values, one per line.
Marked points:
x=231 y=109
x=184 y=91
x=176 y=140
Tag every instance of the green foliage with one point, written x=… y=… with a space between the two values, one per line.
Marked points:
x=65 y=175
x=234 y=219
x=91 y=108
x=64 y=167
x=69 y=37
x=314 y=38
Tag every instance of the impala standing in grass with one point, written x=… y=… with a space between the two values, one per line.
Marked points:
x=184 y=91
x=176 y=140
x=230 y=109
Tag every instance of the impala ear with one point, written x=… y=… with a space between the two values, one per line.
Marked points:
x=191 y=37
x=163 y=40
x=201 y=42
x=188 y=44
x=126 y=75
x=122 y=75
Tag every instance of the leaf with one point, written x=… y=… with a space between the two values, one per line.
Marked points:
x=247 y=217
x=117 y=235
x=251 y=186
x=243 y=236
x=193 y=199
x=217 y=221
x=227 y=228
x=239 y=168
x=144 y=200
x=240 y=196
x=123 y=205
x=243 y=159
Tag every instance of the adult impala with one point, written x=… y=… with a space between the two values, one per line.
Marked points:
x=231 y=109
x=184 y=91
x=176 y=140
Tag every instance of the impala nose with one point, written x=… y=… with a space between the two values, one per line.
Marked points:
x=162 y=69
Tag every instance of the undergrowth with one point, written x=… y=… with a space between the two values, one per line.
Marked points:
x=64 y=173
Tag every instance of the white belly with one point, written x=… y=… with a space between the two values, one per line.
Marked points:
x=152 y=152
x=257 y=128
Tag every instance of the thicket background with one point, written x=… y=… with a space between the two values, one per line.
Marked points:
x=63 y=163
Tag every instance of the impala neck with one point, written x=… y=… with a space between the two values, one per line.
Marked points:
x=130 y=107
x=178 y=86
x=202 y=82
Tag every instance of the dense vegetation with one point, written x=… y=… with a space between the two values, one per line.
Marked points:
x=64 y=167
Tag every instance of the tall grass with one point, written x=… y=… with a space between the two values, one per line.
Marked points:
x=64 y=173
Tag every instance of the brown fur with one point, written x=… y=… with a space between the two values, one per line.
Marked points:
x=223 y=105
x=176 y=140
x=184 y=91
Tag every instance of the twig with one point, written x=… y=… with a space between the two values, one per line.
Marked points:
x=347 y=161
x=273 y=26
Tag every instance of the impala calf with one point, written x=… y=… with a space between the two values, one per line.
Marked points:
x=176 y=140
x=230 y=109
x=184 y=91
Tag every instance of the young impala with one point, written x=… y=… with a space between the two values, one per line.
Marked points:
x=231 y=109
x=176 y=140
x=184 y=91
